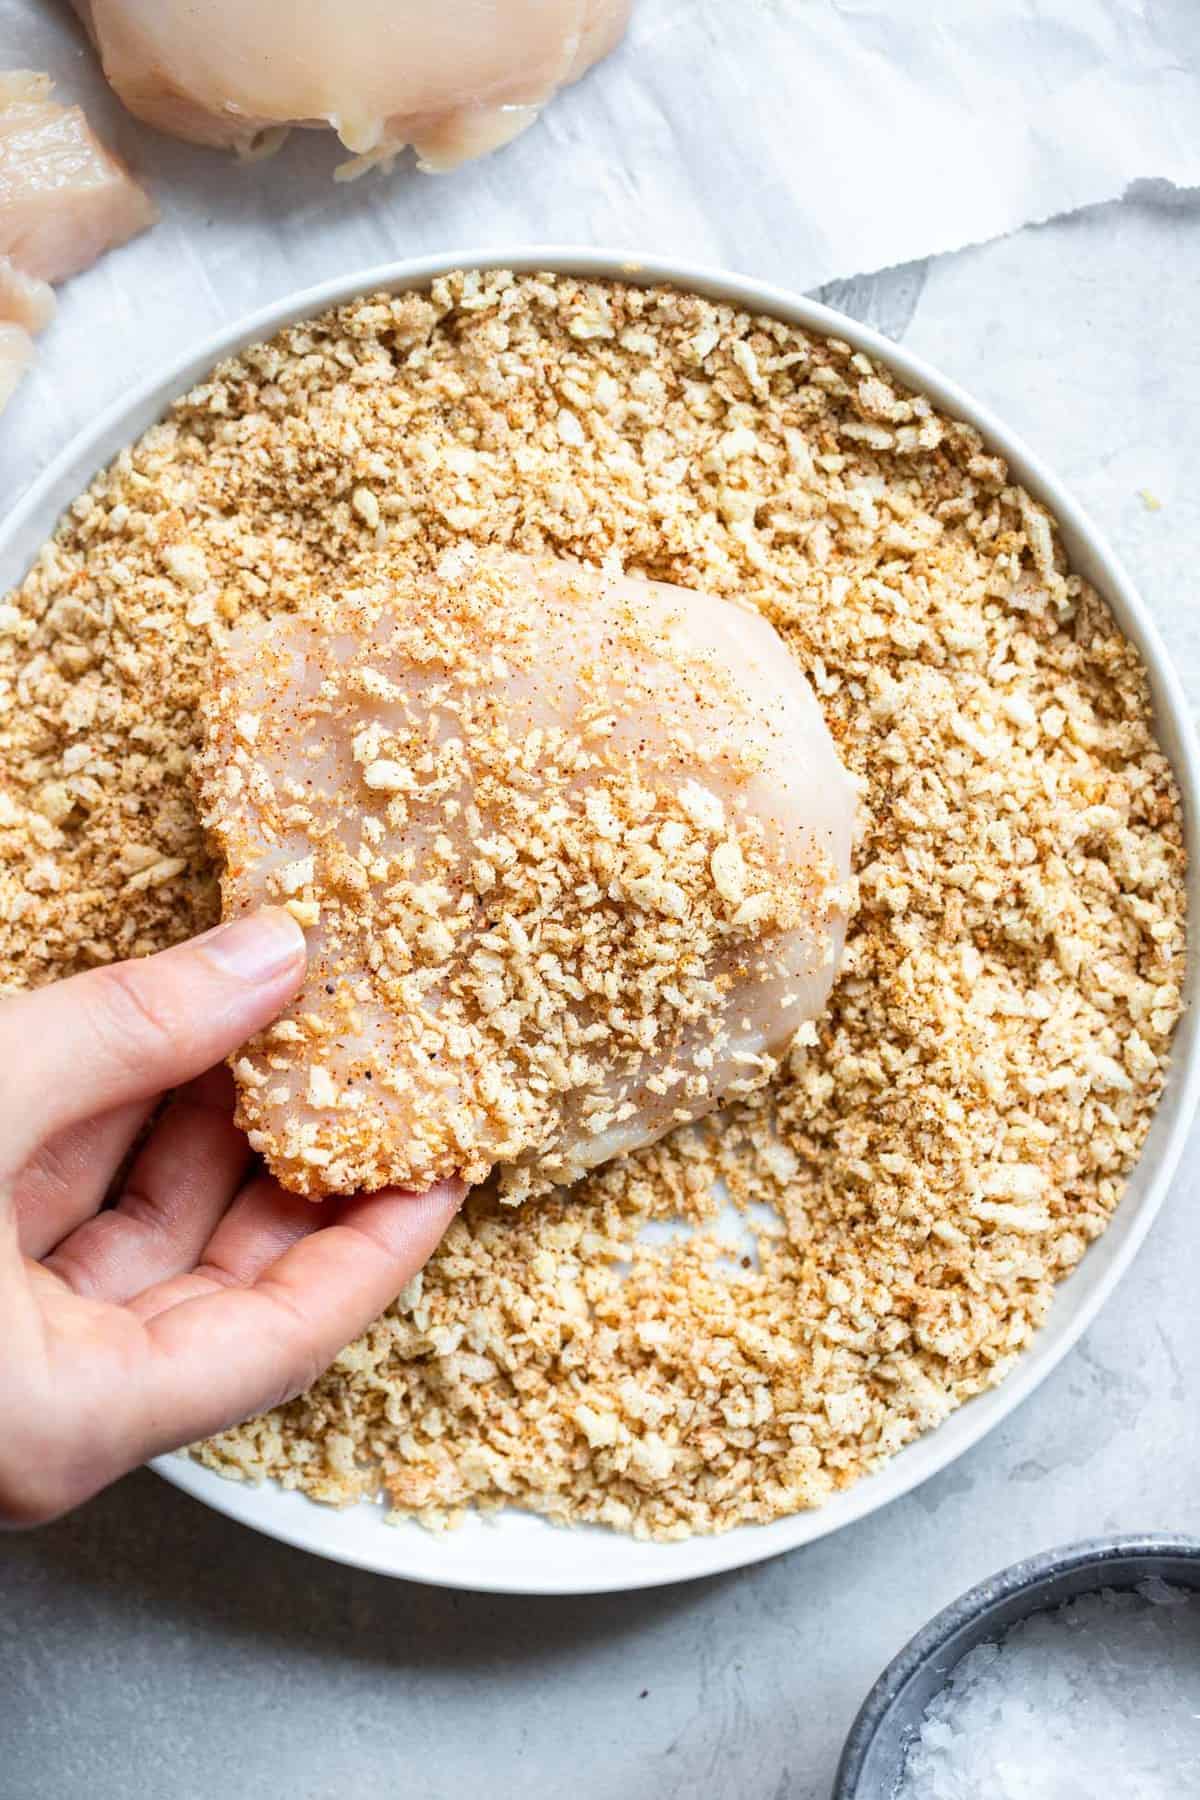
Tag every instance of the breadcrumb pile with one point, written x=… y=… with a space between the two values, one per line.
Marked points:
x=986 y=1071
x=537 y=831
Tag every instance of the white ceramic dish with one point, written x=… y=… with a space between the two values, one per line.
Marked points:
x=515 y=1553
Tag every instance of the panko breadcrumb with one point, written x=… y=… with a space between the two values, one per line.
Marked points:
x=962 y=1125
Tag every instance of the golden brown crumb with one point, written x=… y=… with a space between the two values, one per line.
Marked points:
x=984 y=1079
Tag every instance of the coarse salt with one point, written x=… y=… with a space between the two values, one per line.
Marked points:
x=1100 y=1697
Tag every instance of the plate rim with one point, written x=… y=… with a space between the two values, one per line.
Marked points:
x=115 y=426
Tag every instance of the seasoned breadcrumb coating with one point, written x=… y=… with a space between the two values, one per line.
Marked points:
x=572 y=852
x=986 y=1072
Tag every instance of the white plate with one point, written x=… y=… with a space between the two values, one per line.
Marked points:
x=513 y=1552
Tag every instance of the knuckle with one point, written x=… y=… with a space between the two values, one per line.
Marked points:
x=221 y=1276
x=131 y=1025
x=72 y=1271
x=49 y=1176
x=144 y=1209
x=33 y=1490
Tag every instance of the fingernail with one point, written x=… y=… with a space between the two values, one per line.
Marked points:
x=257 y=948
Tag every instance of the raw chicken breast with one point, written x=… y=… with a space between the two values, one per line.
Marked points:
x=16 y=354
x=26 y=305
x=570 y=850
x=64 y=199
x=455 y=79
x=24 y=299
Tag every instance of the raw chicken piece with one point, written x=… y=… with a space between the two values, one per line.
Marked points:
x=16 y=354
x=570 y=850
x=26 y=305
x=455 y=80
x=24 y=299
x=64 y=199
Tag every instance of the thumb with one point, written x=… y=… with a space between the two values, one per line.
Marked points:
x=128 y=1031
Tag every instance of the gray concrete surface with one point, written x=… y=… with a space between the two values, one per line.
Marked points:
x=148 y=1647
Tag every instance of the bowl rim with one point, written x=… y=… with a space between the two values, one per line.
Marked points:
x=1045 y=1570
x=124 y=420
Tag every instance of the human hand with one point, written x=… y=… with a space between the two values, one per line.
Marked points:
x=205 y=1293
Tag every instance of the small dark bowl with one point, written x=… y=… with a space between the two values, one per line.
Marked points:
x=873 y=1759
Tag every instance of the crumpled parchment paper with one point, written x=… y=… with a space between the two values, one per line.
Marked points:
x=796 y=140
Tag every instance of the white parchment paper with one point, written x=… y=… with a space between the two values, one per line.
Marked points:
x=797 y=140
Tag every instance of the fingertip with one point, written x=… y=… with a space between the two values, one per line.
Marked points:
x=444 y=1196
x=263 y=947
x=405 y=1224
